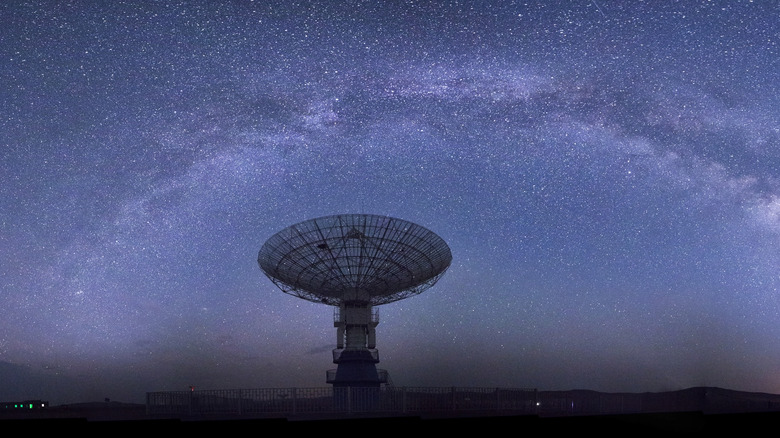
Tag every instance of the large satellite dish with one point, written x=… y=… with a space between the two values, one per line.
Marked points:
x=354 y=258
x=355 y=262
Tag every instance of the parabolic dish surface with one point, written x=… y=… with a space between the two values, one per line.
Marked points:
x=360 y=258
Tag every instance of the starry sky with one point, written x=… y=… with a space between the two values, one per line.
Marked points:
x=606 y=174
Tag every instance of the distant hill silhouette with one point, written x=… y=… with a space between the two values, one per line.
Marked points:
x=691 y=410
x=708 y=400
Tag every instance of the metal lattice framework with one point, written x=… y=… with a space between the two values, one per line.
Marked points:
x=356 y=258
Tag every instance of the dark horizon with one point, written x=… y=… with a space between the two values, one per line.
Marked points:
x=722 y=400
x=699 y=409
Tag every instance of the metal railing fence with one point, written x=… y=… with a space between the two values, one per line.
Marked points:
x=340 y=400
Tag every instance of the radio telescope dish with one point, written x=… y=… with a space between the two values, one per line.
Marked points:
x=355 y=262
x=354 y=258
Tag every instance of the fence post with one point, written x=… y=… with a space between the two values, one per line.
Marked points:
x=454 y=404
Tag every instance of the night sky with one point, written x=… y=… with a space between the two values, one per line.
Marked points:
x=606 y=174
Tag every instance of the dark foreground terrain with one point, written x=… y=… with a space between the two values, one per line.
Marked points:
x=635 y=424
x=693 y=410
